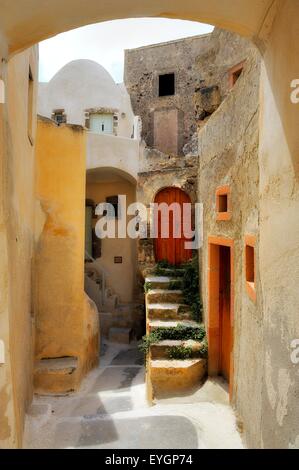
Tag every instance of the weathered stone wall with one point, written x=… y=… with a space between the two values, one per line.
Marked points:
x=159 y=171
x=201 y=65
x=228 y=155
x=142 y=69
x=214 y=63
x=262 y=170
x=279 y=231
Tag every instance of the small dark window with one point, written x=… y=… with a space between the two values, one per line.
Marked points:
x=250 y=265
x=236 y=75
x=114 y=201
x=59 y=117
x=167 y=84
x=223 y=204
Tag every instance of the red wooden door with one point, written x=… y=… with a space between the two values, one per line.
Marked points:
x=172 y=248
x=224 y=311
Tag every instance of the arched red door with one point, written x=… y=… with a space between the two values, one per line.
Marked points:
x=172 y=247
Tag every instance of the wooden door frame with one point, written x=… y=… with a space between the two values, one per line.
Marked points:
x=178 y=188
x=214 y=244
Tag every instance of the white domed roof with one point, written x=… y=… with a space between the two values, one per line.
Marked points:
x=79 y=85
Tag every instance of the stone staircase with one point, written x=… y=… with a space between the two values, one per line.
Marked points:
x=167 y=373
x=119 y=323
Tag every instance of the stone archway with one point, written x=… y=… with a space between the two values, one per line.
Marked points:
x=275 y=34
x=42 y=20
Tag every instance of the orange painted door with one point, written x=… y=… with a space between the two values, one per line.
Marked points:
x=171 y=248
x=225 y=309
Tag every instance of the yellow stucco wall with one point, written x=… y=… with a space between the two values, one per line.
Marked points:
x=16 y=245
x=66 y=321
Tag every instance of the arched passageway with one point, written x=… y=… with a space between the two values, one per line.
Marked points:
x=42 y=19
x=273 y=26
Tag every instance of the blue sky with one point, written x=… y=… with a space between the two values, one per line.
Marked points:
x=105 y=42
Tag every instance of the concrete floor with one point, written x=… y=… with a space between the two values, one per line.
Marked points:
x=110 y=412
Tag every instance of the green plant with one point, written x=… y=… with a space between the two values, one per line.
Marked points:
x=204 y=349
x=179 y=352
x=180 y=333
x=147 y=286
x=148 y=340
x=175 y=285
x=161 y=266
x=164 y=264
x=190 y=287
x=183 y=332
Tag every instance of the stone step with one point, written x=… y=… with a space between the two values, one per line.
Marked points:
x=158 y=296
x=56 y=376
x=121 y=335
x=111 y=302
x=163 y=282
x=173 y=377
x=154 y=324
x=161 y=350
x=110 y=320
x=172 y=272
x=168 y=312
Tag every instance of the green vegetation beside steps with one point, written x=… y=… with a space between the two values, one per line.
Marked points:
x=147 y=287
x=175 y=285
x=190 y=289
x=180 y=333
x=162 y=266
x=189 y=283
x=186 y=352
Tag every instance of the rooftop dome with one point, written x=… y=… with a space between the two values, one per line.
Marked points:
x=82 y=84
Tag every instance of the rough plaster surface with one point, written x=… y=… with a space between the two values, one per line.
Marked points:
x=254 y=152
x=169 y=122
x=228 y=155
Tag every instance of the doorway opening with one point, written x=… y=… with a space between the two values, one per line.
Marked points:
x=111 y=262
x=220 y=308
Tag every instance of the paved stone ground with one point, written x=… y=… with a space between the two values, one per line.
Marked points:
x=110 y=412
